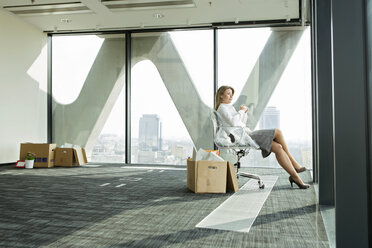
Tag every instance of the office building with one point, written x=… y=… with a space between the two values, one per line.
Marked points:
x=270 y=118
x=149 y=133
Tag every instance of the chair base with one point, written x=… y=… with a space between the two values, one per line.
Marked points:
x=240 y=154
x=261 y=185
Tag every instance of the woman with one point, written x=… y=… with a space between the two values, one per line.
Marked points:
x=270 y=140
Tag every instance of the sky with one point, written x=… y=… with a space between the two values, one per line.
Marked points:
x=238 y=53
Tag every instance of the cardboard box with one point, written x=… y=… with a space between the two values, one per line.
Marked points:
x=211 y=176
x=70 y=157
x=232 y=179
x=44 y=153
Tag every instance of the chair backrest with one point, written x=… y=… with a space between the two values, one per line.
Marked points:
x=214 y=119
x=217 y=121
x=218 y=128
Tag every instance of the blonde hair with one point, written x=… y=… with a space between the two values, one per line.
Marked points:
x=219 y=93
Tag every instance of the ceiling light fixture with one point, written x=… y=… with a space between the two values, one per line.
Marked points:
x=48 y=9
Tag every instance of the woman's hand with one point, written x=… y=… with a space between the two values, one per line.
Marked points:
x=245 y=108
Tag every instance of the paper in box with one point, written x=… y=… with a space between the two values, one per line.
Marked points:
x=211 y=176
x=44 y=153
x=70 y=156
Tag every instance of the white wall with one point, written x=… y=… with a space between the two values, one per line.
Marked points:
x=23 y=77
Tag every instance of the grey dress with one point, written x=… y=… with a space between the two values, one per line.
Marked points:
x=264 y=139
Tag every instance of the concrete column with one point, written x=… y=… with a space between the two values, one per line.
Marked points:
x=369 y=90
x=351 y=126
x=324 y=104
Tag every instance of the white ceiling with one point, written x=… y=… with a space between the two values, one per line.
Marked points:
x=137 y=14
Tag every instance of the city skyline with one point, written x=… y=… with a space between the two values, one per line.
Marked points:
x=110 y=148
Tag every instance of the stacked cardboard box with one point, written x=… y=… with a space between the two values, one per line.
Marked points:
x=44 y=153
x=49 y=155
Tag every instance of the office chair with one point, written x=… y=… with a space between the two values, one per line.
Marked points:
x=229 y=138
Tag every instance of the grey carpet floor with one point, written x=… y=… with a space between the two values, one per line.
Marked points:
x=109 y=206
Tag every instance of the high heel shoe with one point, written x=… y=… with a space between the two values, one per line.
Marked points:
x=301 y=186
x=301 y=169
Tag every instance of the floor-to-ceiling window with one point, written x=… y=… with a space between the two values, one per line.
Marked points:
x=172 y=90
x=169 y=69
x=88 y=94
x=270 y=71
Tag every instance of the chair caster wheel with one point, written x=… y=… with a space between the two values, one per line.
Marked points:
x=261 y=185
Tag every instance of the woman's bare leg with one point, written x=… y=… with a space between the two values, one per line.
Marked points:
x=284 y=161
x=279 y=138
